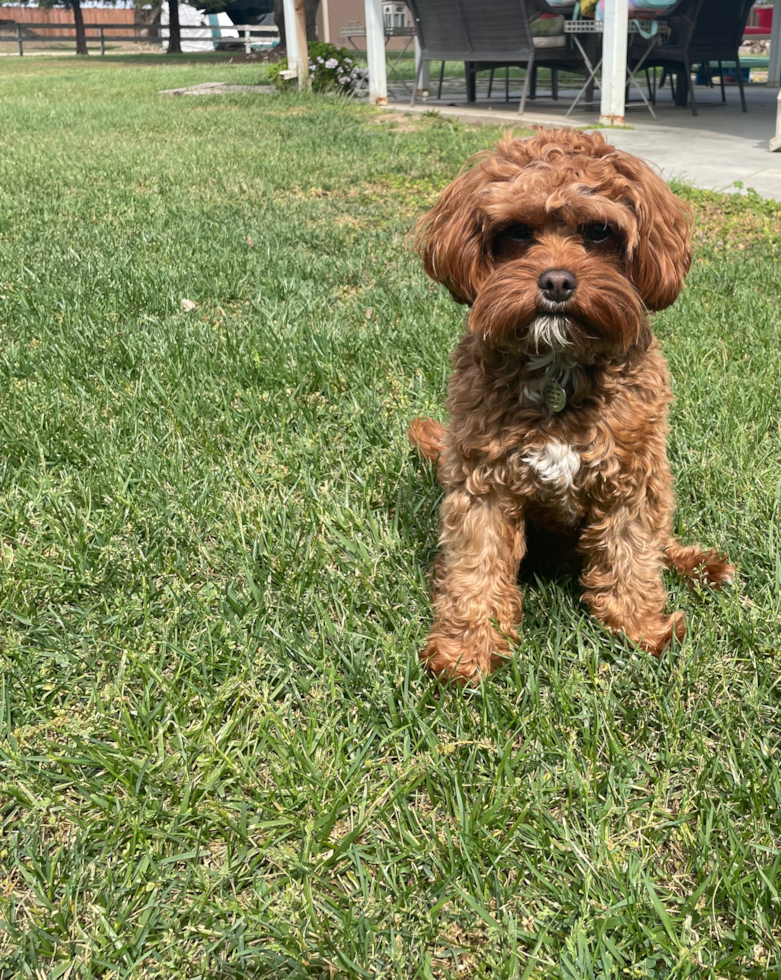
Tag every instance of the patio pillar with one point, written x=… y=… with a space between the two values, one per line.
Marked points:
x=375 y=53
x=289 y=7
x=425 y=75
x=774 y=68
x=613 y=82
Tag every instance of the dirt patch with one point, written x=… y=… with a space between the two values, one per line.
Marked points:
x=400 y=122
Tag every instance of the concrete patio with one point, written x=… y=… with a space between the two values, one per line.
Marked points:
x=713 y=150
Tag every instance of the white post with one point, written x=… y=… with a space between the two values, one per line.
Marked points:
x=775 y=143
x=613 y=82
x=326 y=21
x=375 y=53
x=774 y=68
x=425 y=76
x=291 y=35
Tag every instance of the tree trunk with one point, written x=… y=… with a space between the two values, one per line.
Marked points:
x=310 y=7
x=78 y=20
x=174 y=34
x=279 y=20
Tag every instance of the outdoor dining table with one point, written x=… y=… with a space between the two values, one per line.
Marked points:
x=592 y=27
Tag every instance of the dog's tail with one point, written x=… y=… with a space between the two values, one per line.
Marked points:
x=428 y=437
x=698 y=564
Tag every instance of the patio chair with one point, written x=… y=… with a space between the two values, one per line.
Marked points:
x=702 y=31
x=488 y=34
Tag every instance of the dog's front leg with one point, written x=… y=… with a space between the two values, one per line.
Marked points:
x=624 y=555
x=477 y=602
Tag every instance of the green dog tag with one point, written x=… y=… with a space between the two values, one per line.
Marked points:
x=555 y=396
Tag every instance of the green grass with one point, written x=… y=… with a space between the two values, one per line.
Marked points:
x=404 y=68
x=218 y=755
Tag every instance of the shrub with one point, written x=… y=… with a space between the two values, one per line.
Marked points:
x=331 y=69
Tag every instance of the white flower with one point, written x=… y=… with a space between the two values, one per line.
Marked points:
x=319 y=61
x=332 y=63
x=343 y=79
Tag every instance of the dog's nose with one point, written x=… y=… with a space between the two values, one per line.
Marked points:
x=557 y=285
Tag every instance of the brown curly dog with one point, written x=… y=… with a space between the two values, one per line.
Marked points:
x=558 y=400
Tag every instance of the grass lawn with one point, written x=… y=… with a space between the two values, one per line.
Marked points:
x=218 y=755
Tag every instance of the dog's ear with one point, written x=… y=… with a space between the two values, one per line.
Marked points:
x=450 y=238
x=663 y=254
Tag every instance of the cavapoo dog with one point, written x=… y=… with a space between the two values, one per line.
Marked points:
x=561 y=246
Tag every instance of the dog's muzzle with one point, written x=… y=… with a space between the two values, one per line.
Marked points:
x=549 y=331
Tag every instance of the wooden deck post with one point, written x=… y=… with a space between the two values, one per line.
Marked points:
x=375 y=53
x=613 y=82
x=19 y=41
x=303 y=51
x=324 y=8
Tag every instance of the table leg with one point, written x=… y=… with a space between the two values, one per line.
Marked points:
x=471 y=82
x=592 y=74
x=630 y=75
x=392 y=69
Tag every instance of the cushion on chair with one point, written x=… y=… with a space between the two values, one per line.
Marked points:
x=559 y=41
x=639 y=8
x=548 y=25
x=649 y=7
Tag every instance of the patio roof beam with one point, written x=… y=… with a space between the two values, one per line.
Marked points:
x=375 y=53
x=613 y=84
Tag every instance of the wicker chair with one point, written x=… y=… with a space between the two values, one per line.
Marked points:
x=702 y=31
x=488 y=34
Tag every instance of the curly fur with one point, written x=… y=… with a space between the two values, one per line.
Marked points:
x=597 y=471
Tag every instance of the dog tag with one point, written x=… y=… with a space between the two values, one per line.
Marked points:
x=554 y=395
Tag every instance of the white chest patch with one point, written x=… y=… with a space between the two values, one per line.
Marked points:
x=555 y=463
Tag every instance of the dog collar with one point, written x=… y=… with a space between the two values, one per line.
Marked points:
x=559 y=371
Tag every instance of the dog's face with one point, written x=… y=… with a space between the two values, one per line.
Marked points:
x=559 y=241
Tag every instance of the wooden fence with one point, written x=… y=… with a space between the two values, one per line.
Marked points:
x=103 y=31
x=59 y=22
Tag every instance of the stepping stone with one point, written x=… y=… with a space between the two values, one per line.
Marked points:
x=218 y=88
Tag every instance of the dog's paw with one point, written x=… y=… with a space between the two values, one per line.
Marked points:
x=698 y=565
x=467 y=652
x=716 y=571
x=428 y=437
x=445 y=661
x=656 y=636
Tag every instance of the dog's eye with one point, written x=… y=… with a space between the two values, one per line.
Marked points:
x=519 y=233
x=596 y=233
